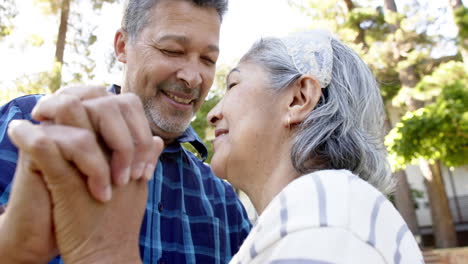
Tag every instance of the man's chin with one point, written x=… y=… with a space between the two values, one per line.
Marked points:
x=168 y=133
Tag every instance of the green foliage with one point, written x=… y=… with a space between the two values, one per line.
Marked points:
x=325 y=14
x=97 y=4
x=49 y=7
x=28 y=84
x=35 y=40
x=370 y=19
x=53 y=7
x=432 y=85
x=78 y=65
x=389 y=41
x=461 y=19
x=8 y=12
x=438 y=131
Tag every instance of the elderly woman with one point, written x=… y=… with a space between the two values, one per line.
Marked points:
x=300 y=132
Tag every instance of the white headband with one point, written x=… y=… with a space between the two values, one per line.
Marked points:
x=312 y=53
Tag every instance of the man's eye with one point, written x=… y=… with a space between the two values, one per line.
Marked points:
x=172 y=52
x=209 y=60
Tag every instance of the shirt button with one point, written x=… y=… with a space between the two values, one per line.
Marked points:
x=160 y=207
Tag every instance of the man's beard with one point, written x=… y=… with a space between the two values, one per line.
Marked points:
x=166 y=123
x=174 y=122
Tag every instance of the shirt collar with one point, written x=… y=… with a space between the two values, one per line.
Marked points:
x=189 y=135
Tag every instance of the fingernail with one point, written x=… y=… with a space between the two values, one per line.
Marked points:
x=138 y=170
x=107 y=194
x=125 y=176
x=149 y=171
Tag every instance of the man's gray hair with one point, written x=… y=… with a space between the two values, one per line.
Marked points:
x=345 y=130
x=137 y=12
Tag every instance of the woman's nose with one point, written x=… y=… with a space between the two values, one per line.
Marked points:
x=215 y=114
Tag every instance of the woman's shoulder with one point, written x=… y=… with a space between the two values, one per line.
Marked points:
x=335 y=216
x=338 y=199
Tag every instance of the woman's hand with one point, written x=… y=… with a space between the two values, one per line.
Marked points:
x=26 y=232
x=87 y=231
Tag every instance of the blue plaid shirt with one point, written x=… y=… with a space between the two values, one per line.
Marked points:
x=191 y=215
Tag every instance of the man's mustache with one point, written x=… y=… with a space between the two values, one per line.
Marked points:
x=179 y=87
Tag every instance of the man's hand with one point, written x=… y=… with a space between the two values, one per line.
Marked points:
x=87 y=231
x=119 y=125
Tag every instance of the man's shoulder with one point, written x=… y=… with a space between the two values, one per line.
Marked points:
x=23 y=104
x=18 y=108
x=210 y=181
x=200 y=168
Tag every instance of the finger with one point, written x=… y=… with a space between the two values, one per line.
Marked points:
x=80 y=147
x=109 y=123
x=62 y=109
x=74 y=145
x=132 y=111
x=85 y=92
x=158 y=146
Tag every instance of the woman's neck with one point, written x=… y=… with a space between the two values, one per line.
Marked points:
x=270 y=181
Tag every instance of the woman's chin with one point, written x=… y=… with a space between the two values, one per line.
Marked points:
x=218 y=167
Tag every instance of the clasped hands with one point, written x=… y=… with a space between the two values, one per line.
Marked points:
x=80 y=186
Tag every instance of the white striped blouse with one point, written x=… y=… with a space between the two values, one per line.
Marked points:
x=329 y=216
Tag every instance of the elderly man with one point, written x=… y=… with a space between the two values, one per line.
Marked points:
x=169 y=49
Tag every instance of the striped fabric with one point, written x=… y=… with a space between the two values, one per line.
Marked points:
x=191 y=216
x=329 y=216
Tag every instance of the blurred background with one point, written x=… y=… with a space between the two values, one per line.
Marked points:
x=418 y=50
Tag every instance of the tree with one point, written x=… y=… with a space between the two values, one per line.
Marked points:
x=403 y=196
x=397 y=46
x=386 y=23
x=63 y=7
x=435 y=134
x=460 y=13
x=8 y=12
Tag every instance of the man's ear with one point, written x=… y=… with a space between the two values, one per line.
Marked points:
x=304 y=95
x=120 y=43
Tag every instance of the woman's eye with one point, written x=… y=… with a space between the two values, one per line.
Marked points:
x=231 y=85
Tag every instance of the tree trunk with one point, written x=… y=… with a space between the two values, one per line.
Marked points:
x=349 y=4
x=390 y=5
x=404 y=202
x=61 y=40
x=403 y=198
x=442 y=222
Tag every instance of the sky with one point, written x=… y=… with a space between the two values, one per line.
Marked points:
x=245 y=22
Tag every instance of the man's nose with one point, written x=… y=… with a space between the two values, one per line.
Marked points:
x=190 y=74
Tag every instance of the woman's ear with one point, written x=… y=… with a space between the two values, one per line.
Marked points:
x=120 y=43
x=305 y=93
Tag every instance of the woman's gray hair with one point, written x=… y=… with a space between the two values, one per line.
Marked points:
x=345 y=130
x=137 y=12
